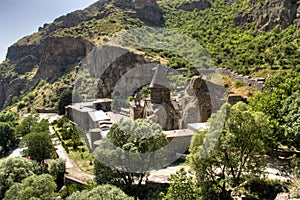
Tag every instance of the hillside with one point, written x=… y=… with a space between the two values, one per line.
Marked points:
x=256 y=37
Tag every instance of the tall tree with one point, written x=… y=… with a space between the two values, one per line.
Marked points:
x=272 y=100
x=7 y=135
x=24 y=127
x=57 y=169
x=130 y=150
x=40 y=187
x=14 y=170
x=226 y=159
x=101 y=192
x=39 y=146
x=64 y=100
x=291 y=119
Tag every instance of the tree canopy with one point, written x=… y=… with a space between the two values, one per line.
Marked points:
x=38 y=187
x=130 y=150
x=101 y=192
x=7 y=132
x=39 y=146
x=276 y=102
x=14 y=170
x=24 y=127
x=237 y=151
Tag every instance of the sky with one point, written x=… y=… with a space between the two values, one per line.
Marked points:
x=19 y=18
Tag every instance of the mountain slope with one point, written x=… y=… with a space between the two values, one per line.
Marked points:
x=250 y=37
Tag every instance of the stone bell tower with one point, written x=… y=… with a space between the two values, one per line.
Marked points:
x=165 y=114
x=159 y=87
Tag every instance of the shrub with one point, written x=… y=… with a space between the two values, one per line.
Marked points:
x=263 y=188
x=238 y=84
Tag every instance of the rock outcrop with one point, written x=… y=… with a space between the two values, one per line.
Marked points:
x=268 y=15
x=53 y=56
x=147 y=10
x=17 y=52
x=59 y=53
x=111 y=63
x=198 y=4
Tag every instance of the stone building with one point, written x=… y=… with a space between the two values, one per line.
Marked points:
x=160 y=108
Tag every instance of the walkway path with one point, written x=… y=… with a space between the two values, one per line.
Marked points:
x=71 y=169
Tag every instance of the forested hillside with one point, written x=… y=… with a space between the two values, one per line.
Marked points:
x=253 y=37
x=248 y=148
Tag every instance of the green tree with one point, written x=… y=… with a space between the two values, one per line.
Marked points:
x=272 y=100
x=8 y=117
x=24 y=127
x=291 y=119
x=39 y=146
x=39 y=187
x=57 y=169
x=14 y=170
x=226 y=159
x=101 y=192
x=42 y=126
x=128 y=153
x=182 y=187
x=64 y=100
x=7 y=135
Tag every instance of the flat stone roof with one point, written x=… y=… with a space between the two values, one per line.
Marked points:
x=179 y=133
x=99 y=115
x=198 y=126
x=83 y=106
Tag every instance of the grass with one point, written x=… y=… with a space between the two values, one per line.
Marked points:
x=82 y=158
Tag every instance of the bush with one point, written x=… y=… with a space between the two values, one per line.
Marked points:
x=263 y=188
x=21 y=105
x=294 y=188
x=238 y=84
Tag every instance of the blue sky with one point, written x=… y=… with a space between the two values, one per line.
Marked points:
x=19 y=18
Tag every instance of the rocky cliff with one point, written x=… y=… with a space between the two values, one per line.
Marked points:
x=52 y=53
x=198 y=4
x=48 y=54
x=269 y=14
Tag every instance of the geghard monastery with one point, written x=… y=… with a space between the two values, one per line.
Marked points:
x=179 y=116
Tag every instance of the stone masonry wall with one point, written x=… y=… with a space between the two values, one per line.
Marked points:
x=257 y=83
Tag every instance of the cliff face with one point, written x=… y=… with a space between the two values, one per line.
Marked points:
x=59 y=53
x=146 y=10
x=198 y=4
x=54 y=50
x=269 y=14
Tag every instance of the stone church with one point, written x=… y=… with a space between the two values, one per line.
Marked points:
x=160 y=107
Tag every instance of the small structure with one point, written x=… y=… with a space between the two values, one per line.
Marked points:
x=86 y=115
x=137 y=108
x=102 y=104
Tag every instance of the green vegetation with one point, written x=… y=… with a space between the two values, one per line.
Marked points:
x=280 y=102
x=14 y=170
x=230 y=47
x=236 y=155
x=182 y=187
x=136 y=147
x=74 y=141
x=38 y=142
x=7 y=132
x=40 y=187
x=225 y=163
x=101 y=192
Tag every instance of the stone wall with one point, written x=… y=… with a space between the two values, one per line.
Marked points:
x=257 y=83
